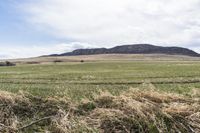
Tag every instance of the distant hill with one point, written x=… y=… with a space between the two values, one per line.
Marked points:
x=133 y=49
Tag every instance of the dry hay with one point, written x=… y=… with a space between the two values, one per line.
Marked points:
x=134 y=111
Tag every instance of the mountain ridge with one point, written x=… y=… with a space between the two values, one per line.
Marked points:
x=133 y=49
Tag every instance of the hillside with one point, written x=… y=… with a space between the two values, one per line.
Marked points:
x=133 y=49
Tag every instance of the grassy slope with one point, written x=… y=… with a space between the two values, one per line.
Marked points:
x=108 y=57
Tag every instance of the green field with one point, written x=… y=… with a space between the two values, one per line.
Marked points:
x=82 y=80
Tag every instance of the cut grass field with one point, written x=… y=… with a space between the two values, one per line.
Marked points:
x=101 y=96
x=79 y=80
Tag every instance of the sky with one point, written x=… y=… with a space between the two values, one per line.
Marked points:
x=30 y=28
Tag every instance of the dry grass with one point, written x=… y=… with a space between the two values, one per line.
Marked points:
x=135 y=111
x=106 y=57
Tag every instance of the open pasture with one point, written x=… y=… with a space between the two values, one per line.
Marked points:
x=80 y=80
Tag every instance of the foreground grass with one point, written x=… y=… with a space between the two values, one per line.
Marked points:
x=136 y=110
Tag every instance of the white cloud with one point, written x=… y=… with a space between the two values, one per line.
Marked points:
x=111 y=22
x=10 y=52
x=106 y=23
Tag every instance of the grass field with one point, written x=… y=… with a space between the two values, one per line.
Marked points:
x=78 y=80
x=157 y=83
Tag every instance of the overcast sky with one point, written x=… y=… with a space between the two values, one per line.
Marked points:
x=38 y=27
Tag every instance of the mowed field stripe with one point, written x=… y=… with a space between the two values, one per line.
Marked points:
x=106 y=83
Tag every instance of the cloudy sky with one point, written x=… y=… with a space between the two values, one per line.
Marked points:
x=37 y=27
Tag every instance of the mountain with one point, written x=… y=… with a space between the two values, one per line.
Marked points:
x=133 y=49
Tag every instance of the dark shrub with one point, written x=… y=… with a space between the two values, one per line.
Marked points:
x=7 y=63
x=57 y=61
